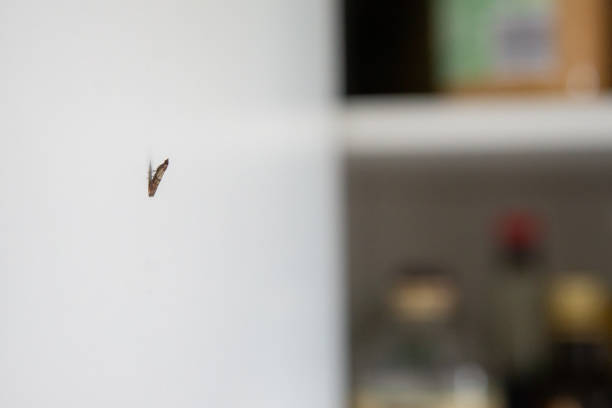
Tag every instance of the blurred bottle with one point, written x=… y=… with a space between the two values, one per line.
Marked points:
x=421 y=360
x=518 y=312
x=578 y=374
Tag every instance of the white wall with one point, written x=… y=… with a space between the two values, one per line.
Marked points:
x=223 y=290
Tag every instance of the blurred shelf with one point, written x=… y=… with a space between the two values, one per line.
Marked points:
x=393 y=126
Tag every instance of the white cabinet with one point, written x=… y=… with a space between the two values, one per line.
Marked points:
x=223 y=289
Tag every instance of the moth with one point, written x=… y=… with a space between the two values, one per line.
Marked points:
x=155 y=179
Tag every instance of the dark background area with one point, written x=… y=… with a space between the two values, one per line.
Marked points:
x=387 y=47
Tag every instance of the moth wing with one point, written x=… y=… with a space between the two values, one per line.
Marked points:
x=150 y=179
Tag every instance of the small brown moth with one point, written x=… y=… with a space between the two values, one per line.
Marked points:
x=155 y=179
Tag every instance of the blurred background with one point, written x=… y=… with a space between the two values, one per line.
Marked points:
x=476 y=47
x=477 y=178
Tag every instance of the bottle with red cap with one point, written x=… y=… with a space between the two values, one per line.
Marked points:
x=518 y=313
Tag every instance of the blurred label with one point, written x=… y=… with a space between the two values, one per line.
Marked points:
x=484 y=40
x=525 y=44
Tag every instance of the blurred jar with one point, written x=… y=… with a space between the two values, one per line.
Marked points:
x=420 y=359
x=579 y=373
